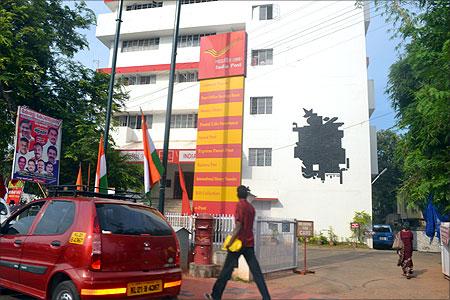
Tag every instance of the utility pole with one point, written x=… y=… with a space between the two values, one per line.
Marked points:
x=113 y=74
x=162 y=187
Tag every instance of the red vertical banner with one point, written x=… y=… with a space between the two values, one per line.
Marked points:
x=220 y=123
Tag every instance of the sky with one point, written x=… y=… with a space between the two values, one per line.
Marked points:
x=380 y=50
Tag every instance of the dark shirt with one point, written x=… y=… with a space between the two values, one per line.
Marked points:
x=245 y=214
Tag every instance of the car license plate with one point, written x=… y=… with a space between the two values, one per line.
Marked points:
x=383 y=238
x=142 y=288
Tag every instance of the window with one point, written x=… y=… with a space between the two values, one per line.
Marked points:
x=22 y=223
x=260 y=105
x=188 y=180
x=122 y=120
x=183 y=121
x=137 y=6
x=262 y=57
x=131 y=220
x=140 y=45
x=265 y=12
x=259 y=157
x=138 y=79
x=135 y=121
x=195 y=1
x=285 y=227
x=187 y=77
x=57 y=218
x=148 y=79
x=191 y=40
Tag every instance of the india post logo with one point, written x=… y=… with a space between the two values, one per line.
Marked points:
x=223 y=55
x=223 y=51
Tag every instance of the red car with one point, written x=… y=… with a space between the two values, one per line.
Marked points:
x=78 y=247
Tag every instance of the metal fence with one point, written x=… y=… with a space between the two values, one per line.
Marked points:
x=275 y=239
x=276 y=244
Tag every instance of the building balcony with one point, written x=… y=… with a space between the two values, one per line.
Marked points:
x=157 y=22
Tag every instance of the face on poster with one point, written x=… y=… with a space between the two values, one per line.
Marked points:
x=38 y=147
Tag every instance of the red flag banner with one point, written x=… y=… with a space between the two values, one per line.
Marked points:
x=185 y=205
x=79 y=182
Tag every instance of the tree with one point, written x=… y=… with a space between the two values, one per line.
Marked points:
x=38 y=39
x=384 y=190
x=365 y=223
x=419 y=89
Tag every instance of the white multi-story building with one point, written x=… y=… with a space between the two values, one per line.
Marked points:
x=306 y=74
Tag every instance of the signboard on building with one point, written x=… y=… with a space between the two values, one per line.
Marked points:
x=223 y=55
x=219 y=134
x=37 y=148
x=305 y=228
x=354 y=225
x=174 y=155
x=15 y=189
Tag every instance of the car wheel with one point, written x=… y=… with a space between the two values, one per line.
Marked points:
x=65 y=290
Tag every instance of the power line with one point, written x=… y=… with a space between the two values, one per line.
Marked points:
x=162 y=89
x=321 y=22
x=302 y=44
x=344 y=128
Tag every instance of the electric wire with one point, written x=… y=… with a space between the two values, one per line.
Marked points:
x=138 y=98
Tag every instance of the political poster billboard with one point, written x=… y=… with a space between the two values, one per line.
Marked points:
x=37 y=148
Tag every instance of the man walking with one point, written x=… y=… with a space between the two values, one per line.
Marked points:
x=244 y=217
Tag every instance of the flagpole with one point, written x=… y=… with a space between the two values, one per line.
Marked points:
x=162 y=187
x=113 y=74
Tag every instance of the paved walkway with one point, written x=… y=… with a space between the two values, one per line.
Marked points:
x=343 y=274
x=340 y=274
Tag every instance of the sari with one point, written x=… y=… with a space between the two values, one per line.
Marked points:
x=405 y=254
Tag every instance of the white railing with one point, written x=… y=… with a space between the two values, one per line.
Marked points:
x=223 y=225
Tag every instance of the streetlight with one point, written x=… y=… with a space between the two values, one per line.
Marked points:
x=378 y=176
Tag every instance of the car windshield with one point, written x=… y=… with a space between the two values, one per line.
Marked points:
x=131 y=220
x=381 y=229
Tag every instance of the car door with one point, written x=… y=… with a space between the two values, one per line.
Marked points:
x=13 y=235
x=46 y=244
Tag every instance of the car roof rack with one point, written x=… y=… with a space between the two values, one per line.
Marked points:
x=83 y=191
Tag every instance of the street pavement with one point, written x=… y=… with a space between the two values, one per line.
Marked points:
x=339 y=274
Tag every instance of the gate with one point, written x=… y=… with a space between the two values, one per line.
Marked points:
x=276 y=244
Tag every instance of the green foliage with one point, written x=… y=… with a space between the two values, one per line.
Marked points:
x=38 y=39
x=332 y=237
x=419 y=87
x=384 y=190
x=365 y=224
x=315 y=240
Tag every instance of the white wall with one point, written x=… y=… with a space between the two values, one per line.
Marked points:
x=329 y=76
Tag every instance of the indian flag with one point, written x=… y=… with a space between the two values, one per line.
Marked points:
x=152 y=165
x=101 y=182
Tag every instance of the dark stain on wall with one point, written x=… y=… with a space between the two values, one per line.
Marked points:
x=319 y=147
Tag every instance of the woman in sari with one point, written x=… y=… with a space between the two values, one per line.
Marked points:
x=405 y=254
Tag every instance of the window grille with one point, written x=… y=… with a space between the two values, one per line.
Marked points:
x=259 y=157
